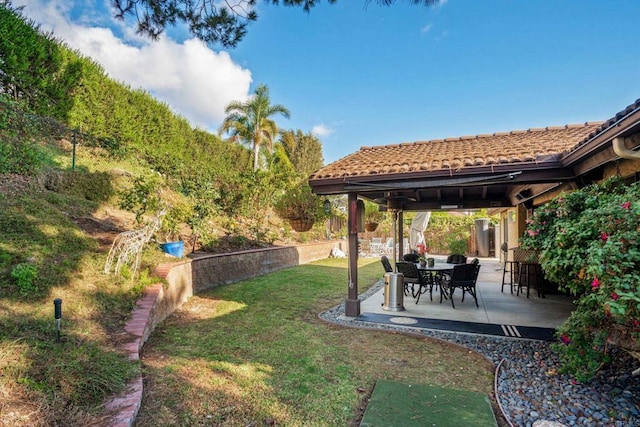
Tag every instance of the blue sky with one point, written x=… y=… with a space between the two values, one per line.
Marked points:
x=378 y=75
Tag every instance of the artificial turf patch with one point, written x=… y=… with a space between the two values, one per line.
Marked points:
x=396 y=404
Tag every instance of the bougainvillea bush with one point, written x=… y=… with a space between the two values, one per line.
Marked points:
x=589 y=243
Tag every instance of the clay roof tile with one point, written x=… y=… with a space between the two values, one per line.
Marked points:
x=532 y=145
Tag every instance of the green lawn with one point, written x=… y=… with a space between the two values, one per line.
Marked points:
x=256 y=353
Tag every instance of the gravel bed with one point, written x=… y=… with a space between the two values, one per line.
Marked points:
x=529 y=386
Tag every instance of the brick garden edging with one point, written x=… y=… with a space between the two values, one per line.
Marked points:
x=184 y=279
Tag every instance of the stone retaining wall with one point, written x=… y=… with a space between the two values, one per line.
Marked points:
x=202 y=272
x=210 y=271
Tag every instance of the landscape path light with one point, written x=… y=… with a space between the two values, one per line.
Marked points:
x=57 y=314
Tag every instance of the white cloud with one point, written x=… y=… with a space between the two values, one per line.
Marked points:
x=443 y=35
x=322 y=130
x=426 y=28
x=194 y=80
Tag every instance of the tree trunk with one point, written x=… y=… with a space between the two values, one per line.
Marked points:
x=256 y=151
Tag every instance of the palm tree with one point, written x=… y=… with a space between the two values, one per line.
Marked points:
x=250 y=121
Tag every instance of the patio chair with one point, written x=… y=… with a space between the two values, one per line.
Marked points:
x=413 y=276
x=386 y=264
x=388 y=246
x=456 y=259
x=376 y=244
x=464 y=276
x=364 y=246
x=411 y=257
x=409 y=278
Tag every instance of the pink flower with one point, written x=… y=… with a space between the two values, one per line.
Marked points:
x=625 y=205
x=614 y=296
x=565 y=339
x=595 y=284
x=604 y=236
x=533 y=233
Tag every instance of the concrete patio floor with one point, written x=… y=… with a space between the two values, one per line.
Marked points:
x=495 y=308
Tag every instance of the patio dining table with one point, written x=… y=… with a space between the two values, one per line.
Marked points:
x=438 y=267
x=437 y=271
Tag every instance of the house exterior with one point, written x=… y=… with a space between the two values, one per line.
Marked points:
x=507 y=172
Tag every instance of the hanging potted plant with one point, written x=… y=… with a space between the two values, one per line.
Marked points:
x=372 y=216
x=300 y=207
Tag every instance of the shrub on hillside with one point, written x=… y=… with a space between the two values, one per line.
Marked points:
x=94 y=186
x=25 y=275
x=20 y=132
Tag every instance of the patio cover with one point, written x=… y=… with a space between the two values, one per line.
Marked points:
x=482 y=171
x=498 y=170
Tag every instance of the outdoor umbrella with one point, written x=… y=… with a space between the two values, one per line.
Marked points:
x=418 y=225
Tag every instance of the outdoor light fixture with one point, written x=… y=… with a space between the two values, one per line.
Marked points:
x=57 y=314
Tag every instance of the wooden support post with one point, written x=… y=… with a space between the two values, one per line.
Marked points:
x=352 y=304
x=400 y=236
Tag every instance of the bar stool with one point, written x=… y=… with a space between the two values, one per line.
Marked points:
x=507 y=268
x=530 y=272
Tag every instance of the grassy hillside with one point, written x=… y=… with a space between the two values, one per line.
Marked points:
x=56 y=228
x=73 y=146
x=53 y=245
x=57 y=224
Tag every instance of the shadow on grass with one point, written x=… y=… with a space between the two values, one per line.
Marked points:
x=54 y=383
x=256 y=352
x=60 y=382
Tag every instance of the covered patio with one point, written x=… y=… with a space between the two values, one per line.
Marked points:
x=499 y=313
x=506 y=172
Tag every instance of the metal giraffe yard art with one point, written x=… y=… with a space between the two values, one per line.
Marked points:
x=127 y=246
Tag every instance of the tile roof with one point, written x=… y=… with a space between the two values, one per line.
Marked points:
x=451 y=154
x=630 y=109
